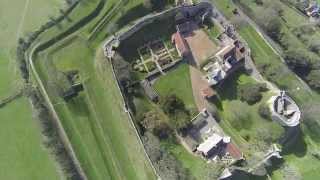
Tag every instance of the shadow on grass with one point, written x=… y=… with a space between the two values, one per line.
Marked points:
x=293 y=142
x=132 y=14
x=227 y=90
x=78 y=106
x=160 y=28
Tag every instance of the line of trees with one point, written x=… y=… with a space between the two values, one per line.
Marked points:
x=52 y=139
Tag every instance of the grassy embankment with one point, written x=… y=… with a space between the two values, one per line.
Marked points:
x=94 y=121
x=263 y=54
x=22 y=154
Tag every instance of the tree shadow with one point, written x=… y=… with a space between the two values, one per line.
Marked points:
x=132 y=14
x=228 y=88
x=79 y=106
x=293 y=142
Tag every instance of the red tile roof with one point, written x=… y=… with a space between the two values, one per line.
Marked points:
x=181 y=43
x=234 y=151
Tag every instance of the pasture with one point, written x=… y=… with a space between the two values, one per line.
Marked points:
x=22 y=154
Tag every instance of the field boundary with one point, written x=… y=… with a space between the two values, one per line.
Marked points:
x=56 y=118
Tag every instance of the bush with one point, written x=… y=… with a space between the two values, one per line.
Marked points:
x=273 y=29
x=251 y=93
x=313 y=79
x=264 y=111
x=298 y=59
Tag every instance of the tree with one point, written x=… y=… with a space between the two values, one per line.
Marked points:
x=311 y=120
x=315 y=46
x=166 y=165
x=269 y=20
x=174 y=107
x=153 y=123
x=297 y=59
x=313 y=79
x=259 y=2
x=264 y=111
x=251 y=93
x=273 y=29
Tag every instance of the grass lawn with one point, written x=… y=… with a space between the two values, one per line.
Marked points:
x=177 y=82
x=232 y=109
x=22 y=154
x=95 y=121
x=17 y=18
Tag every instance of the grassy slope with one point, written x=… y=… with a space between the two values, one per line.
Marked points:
x=177 y=82
x=22 y=154
x=92 y=120
x=263 y=53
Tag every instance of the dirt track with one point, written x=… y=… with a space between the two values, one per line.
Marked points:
x=201 y=47
x=198 y=83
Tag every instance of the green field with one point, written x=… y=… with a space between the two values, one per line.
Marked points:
x=177 y=82
x=94 y=121
x=22 y=154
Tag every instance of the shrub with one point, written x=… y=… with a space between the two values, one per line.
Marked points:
x=313 y=79
x=264 y=111
x=251 y=93
x=298 y=59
